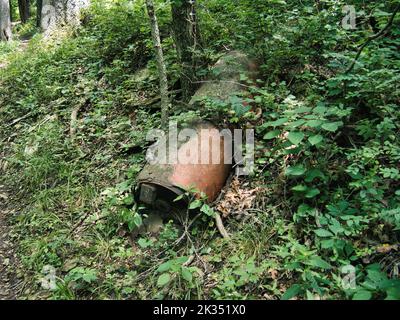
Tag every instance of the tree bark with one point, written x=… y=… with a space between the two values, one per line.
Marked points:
x=162 y=70
x=24 y=7
x=39 y=5
x=55 y=13
x=187 y=40
x=5 y=21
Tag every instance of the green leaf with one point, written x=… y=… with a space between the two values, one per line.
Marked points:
x=89 y=276
x=323 y=233
x=297 y=171
x=318 y=262
x=293 y=291
x=296 y=123
x=195 y=204
x=163 y=280
x=129 y=200
x=362 y=295
x=300 y=188
x=165 y=266
x=320 y=109
x=332 y=126
x=296 y=137
x=314 y=140
x=207 y=210
x=314 y=123
x=186 y=274
x=144 y=243
x=277 y=123
x=312 y=193
x=312 y=174
x=272 y=134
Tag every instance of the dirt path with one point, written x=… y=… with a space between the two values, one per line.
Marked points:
x=7 y=257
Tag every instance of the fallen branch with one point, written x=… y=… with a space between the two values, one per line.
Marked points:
x=74 y=116
x=374 y=37
x=14 y=122
x=220 y=226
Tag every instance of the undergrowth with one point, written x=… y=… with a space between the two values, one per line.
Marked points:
x=327 y=158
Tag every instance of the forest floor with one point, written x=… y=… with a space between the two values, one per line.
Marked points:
x=8 y=281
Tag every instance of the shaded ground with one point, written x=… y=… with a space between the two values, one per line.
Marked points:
x=8 y=283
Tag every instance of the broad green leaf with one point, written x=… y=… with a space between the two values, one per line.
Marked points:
x=362 y=295
x=293 y=291
x=145 y=243
x=195 y=204
x=129 y=200
x=186 y=274
x=276 y=123
x=301 y=110
x=165 y=266
x=323 y=233
x=89 y=276
x=207 y=210
x=312 y=193
x=298 y=170
x=332 y=126
x=163 y=280
x=312 y=174
x=320 y=109
x=314 y=140
x=295 y=124
x=272 y=134
x=300 y=188
x=318 y=262
x=314 y=123
x=296 y=137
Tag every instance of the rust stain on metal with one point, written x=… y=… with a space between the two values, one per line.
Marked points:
x=206 y=147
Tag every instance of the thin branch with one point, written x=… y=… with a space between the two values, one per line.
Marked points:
x=162 y=70
x=220 y=226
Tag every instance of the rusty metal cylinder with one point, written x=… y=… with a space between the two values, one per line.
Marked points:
x=197 y=158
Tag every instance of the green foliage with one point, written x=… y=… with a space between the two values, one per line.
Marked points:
x=327 y=156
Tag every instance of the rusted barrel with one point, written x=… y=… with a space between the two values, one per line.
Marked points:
x=202 y=162
x=160 y=183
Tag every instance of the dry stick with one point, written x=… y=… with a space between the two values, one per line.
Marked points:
x=73 y=123
x=14 y=122
x=374 y=37
x=162 y=70
x=220 y=226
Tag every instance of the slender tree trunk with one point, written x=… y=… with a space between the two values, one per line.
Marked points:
x=24 y=7
x=162 y=70
x=5 y=21
x=187 y=39
x=39 y=5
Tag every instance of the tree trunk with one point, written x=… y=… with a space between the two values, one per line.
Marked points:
x=55 y=13
x=5 y=21
x=187 y=39
x=39 y=5
x=24 y=7
x=162 y=70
